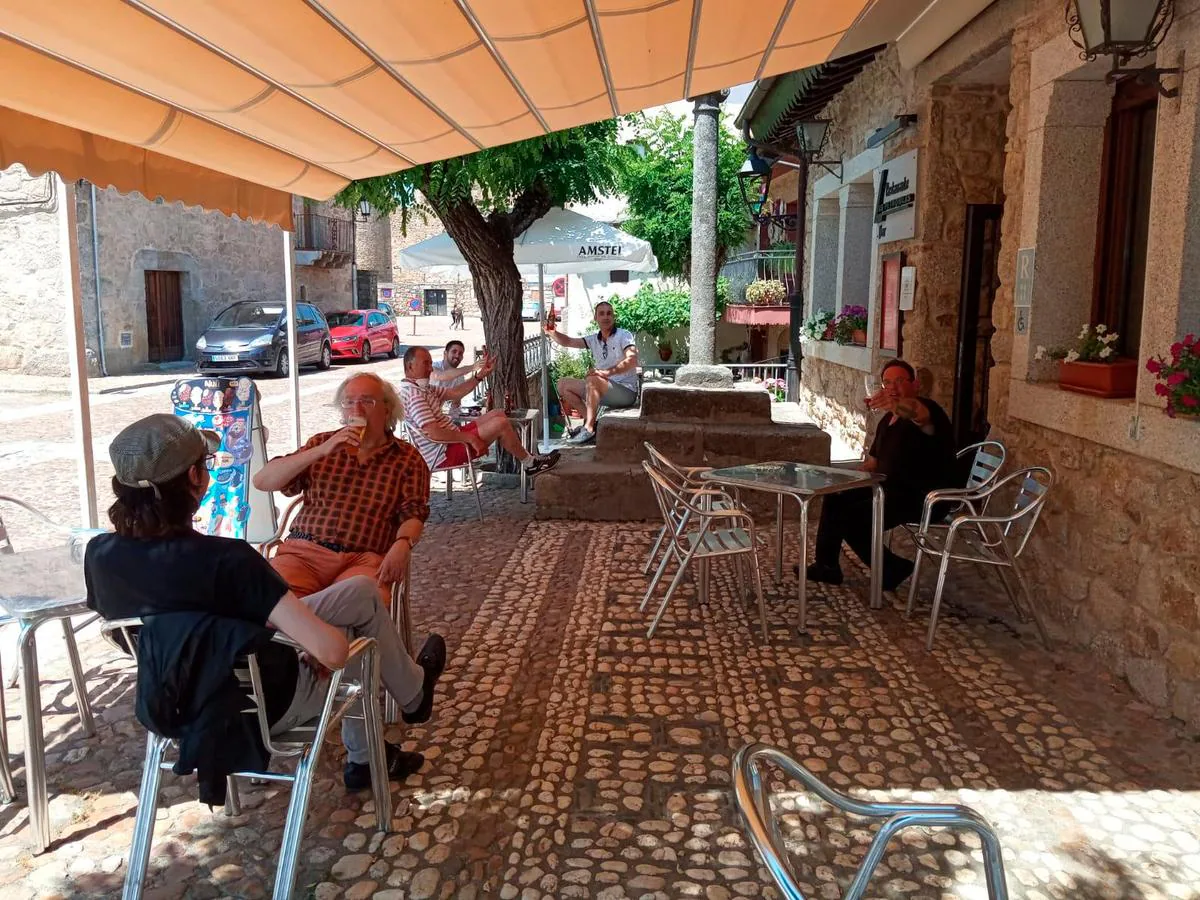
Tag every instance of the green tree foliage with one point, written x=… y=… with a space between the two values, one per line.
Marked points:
x=655 y=311
x=658 y=187
x=487 y=199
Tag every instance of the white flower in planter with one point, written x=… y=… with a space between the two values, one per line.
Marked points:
x=1101 y=328
x=1085 y=331
x=1072 y=356
x=1109 y=338
x=1106 y=352
x=1040 y=353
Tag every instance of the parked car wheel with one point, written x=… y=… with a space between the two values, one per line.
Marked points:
x=326 y=357
x=366 y=350
x=281 y=364
x=394 y=353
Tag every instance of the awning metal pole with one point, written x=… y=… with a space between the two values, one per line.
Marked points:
x=292 y=342
x=68 y=237
x=545 y=359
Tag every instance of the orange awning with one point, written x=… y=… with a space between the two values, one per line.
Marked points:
x=300 y=96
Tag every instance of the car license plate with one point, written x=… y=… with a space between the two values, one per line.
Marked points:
x=225 y=357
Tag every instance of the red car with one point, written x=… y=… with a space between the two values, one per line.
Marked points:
x=362 y=334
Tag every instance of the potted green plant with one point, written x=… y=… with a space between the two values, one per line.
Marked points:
x=1178 y=378
x=653 y=311
x=817 y=327
x=1092 y=366
x=850 y=326
x=765 y=292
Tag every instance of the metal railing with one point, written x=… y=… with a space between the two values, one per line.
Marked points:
x=762 y=826
x=532 y=352
x=318 y=232
x=759 y=265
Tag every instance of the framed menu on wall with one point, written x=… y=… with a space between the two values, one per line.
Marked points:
x=889 y=309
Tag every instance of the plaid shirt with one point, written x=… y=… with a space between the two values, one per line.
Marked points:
x=361 y=505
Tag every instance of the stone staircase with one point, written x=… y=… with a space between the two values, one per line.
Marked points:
x=692 y=426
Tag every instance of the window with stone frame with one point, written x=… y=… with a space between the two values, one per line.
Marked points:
x=1127 y=172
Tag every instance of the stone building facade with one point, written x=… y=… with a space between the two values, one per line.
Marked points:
x=127 y=246
x=1012 y=119
x=379 y=243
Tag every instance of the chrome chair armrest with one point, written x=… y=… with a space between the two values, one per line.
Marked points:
x=35 y=512
x=268 y=547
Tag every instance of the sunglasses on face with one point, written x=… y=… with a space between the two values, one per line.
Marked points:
x=364 y=402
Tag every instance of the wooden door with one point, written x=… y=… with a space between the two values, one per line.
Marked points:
x=164 y=316
x=974 y=361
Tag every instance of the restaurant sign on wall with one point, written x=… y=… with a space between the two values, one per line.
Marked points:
x=896 y=198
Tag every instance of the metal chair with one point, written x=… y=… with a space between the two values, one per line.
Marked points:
x=988 y=460
x=689 y=515
x=996 y=541
x=304 y=742
x=689 y=477
x=29 y=621
x=406 y=429
x=400 y=607
x=762 y=826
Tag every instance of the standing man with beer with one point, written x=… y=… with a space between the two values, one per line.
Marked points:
x=613 y=379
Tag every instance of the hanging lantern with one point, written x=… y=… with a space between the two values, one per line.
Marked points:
x=754 y=181
x=1122 y=29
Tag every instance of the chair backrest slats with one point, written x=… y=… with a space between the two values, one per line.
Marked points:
x=986 y=465
x=1034 y=490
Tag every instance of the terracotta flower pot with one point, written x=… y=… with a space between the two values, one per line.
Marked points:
x=859 y=337
x=1111 y=381
x=664 y=352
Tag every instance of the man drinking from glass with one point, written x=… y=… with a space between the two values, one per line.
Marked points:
x=366 y=495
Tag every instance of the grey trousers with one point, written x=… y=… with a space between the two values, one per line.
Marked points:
x=353 y=605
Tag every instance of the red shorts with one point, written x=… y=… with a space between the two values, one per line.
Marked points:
x=456 y=454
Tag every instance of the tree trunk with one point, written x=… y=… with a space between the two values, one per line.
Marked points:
x=498 y=289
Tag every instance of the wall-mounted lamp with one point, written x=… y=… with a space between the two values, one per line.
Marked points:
x=811 y=135
x=364 y=210
x=1123 y=29
x=890 y=130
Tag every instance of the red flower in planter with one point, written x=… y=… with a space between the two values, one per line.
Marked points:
x=1161 y=389
x=1189 y=400
x=1176 y=349
x=1176 y=378
x=1153 y=365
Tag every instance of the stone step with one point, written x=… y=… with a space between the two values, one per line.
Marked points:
x=582 y=487
x=667 y=403
x=621 y=436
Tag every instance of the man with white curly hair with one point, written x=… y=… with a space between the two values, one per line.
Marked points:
x=366 y=495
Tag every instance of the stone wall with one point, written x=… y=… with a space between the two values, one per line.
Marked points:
x=373 y=246
x=32 y=308
x=1116 y=559
x=222 y=260
x=457 y=287
x=959 y=136
x=329 y=289
x=831 y=395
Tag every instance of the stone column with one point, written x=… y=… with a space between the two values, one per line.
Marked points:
x=702 y=370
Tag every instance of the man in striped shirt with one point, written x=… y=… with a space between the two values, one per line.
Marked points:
x=445 y=445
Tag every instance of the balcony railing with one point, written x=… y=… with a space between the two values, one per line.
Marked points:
x=759 y=265
x=324 y=233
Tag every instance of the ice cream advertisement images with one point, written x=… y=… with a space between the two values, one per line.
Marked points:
x=1092 y=365
x=1177 y=377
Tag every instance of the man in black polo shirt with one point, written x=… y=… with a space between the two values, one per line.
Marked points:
x=914 y=448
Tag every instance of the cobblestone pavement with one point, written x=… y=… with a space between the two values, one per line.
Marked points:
x=570 y=757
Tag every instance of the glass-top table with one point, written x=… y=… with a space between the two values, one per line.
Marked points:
x=804 y=482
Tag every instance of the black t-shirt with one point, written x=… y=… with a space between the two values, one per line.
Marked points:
x=914 y=462
x=128 y=577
